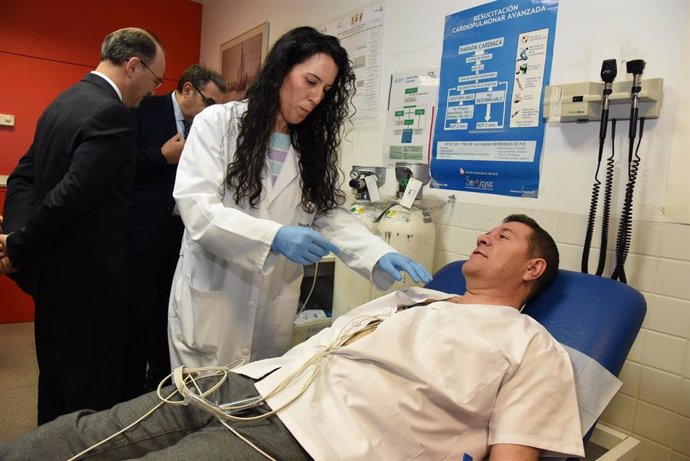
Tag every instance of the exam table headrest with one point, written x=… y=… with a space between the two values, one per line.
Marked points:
x=597 y=316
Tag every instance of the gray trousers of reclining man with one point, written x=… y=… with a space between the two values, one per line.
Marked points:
x=173 y=432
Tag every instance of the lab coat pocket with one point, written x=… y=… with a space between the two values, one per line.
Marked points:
x=370 y=423
x=304 y=218
x=202 y=316
x=205 y=271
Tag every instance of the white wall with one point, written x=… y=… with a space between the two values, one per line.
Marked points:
x=654 y=403
x=587 y=32
x=677 y=207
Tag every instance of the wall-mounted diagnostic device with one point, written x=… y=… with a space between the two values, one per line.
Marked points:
x=582 y=102
x=609 y=70
x=634 y=101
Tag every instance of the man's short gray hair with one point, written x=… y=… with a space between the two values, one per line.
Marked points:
x=123 y=44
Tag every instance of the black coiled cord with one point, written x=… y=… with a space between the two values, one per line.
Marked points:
x=592 y=213
x=607 y=202
x=625 y=226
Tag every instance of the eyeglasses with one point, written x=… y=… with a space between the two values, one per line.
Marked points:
x=158 y=80
x=207 y=101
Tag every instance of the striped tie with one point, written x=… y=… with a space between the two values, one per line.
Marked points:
x=187 y=127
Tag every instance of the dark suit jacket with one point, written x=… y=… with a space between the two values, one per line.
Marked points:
x=68 y=199
x=152 y=200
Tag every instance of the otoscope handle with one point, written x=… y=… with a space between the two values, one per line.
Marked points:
x=605 y=109
x=604 y=123
x=634 y=113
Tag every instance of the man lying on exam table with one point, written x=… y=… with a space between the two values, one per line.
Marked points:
x=414 y=374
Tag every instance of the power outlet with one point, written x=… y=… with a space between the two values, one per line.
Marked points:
x=6 y=120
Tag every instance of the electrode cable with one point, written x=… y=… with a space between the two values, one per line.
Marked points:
x=183 y=377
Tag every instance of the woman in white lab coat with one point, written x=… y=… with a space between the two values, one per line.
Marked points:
x=257 y=189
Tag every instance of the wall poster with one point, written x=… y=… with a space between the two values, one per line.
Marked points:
x=361 y=34
x=489 y=130
x=411 y=107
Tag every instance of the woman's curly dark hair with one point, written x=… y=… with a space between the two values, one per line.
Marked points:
x=317 y=138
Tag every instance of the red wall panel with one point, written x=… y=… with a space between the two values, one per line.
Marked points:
x=47 y=45
x=27 y=86
x=72 y=30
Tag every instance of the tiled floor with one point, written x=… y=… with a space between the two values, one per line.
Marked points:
x=18 y=379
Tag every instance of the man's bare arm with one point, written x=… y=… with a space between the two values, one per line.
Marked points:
x=508 y=452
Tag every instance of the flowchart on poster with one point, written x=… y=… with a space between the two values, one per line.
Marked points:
x=412 y=100
x=480 y=99
x=489 y=131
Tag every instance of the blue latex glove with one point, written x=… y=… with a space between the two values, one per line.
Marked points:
x=394 y=263
x=302 y=245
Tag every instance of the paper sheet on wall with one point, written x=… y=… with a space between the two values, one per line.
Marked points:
x=361 y=34
x=489 y=129
x=411 y=110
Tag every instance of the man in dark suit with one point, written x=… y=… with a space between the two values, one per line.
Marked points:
x=155 y=226
x=67 y=214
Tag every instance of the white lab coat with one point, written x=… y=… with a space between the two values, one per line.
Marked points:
x=232 y=297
